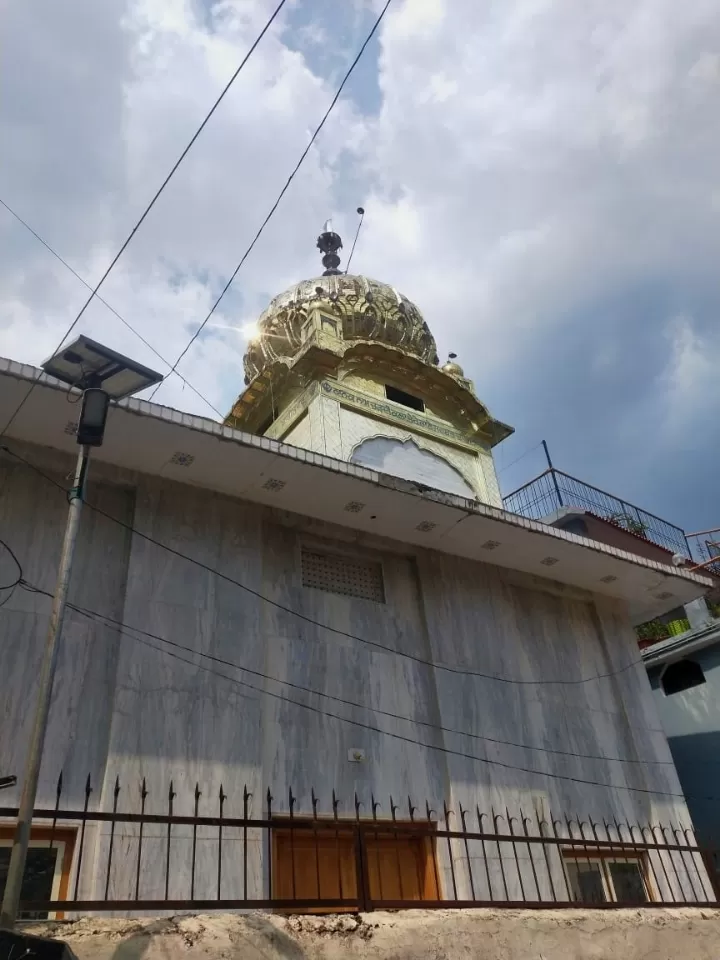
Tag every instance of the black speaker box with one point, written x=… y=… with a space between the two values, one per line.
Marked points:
x=15 y=946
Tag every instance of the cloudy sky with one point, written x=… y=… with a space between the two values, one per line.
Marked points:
x=541 y=176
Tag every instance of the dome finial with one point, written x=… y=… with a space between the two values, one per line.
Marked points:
x=454 y=369
x=329 y=243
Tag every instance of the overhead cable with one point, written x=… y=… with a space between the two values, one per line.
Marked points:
x=282 y=193
x=397 y=736
x=105 y=303
x=125 y=627
x=463 y=671
x=149 y=207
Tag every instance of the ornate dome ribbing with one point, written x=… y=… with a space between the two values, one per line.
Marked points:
x=368 y=310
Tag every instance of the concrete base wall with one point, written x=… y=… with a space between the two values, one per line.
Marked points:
x=692 y=934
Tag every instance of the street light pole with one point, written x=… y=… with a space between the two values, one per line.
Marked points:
x=102 y=375
x=16 y=869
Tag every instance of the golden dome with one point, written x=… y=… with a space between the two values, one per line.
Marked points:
x=454 y=369
x=367 y=310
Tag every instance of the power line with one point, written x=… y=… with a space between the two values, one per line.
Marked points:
x=16 y=581
x=149 y=207
x=94 y=614
x=9 y=597
x=398 y=736
x=103 y=301
x=282 y=193
x=517 y=459
x=324 y=626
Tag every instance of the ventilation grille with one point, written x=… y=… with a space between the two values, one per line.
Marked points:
x=348 y=576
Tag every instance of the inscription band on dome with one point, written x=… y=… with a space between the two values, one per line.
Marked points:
x=353 y=398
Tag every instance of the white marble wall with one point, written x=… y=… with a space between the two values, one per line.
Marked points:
x=340 y=432
x=123 y=709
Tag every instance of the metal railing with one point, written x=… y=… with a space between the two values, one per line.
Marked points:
x=705 y=546
x=356 y=857
x=553 y=489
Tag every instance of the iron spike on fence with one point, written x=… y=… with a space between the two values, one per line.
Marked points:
x=291 y=803
x=171 y=797
x=463 y=814
x=484 y=850
x=509 y=820
x=495 y=818
x=314 y=802
x=222 y=797
x=688 y=874
x=541 y=833
x=335 y=803
x=116 y=794
x=269 y=843
x=246 y=804
x=651 y=829
x=671 y=858
x=447 y=813
x=143 y=797
x=198 y=794
x=525 y=821
x=433 y=848
x=88 y=791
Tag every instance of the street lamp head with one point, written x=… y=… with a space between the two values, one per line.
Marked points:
x=88 y=364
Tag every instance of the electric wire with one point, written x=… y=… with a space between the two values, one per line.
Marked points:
x=518 y=459
x=282 y=193
x=85 y=611
x=13 y=557
x=463 y=671
x=357 y=234
x=149 y=207
x=387 y=733
x=105 y=303
x=94 y=613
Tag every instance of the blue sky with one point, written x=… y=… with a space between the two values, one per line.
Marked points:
x=539 y=176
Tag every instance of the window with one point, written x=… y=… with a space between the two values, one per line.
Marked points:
x=406 y=399
x=328 y=324
x=682 y=676
x=338 y=573
x=46 y=871
x=595 y=878
x=267 y=423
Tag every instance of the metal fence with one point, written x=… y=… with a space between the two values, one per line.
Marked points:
x=554 y=489
x=705 y=546
x=355 y=857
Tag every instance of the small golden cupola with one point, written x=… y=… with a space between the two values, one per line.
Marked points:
x=347 y=367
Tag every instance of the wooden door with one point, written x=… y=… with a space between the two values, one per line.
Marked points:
x=401 y=868
x=314 y=866
x=318 y=865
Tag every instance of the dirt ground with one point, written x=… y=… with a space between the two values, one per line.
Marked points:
x=688 y=934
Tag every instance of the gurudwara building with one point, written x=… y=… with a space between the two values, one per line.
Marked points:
x=311 y=608
x=347 y=367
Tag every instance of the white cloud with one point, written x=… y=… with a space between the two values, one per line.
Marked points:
x=141 y=76
x=690 y=383
x=541 y=178
x=569 y=126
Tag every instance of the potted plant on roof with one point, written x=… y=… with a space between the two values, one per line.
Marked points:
x=631 y=524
